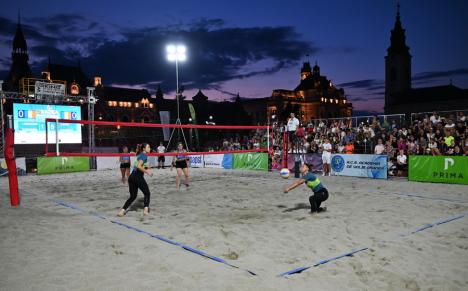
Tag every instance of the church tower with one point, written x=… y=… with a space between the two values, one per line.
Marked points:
x=397 y=65
x=20 y=66
x=306 y=70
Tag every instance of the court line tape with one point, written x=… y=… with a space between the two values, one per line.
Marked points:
x=351 y=253
x=155 y=236
x=425 y=197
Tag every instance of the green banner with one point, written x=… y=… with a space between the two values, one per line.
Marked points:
x=251 y=161
x=194 y=117
x=51 y=165
x=440 y=169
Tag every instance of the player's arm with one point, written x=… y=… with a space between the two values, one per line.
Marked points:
x=294 y=185
x=141 y=167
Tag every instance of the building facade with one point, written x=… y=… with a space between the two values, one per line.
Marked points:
x=400 y=97
x=314 y=98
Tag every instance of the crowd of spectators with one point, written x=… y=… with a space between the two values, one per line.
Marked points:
x=425 y=134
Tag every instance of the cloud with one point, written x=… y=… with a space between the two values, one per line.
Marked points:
x=440 y=74
x=366 y=84
x=136 y=56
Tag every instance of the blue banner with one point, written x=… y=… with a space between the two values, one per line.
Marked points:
x=370 y=166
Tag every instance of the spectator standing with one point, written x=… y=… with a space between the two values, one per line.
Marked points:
x=326 y=156
x=161 y=159
x=291 y=127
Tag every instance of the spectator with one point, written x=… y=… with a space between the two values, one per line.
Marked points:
x=379 y=148
x=326 y=157
x=401 y=162
x=291 y=126
x=161 y=149
x=435 y=118
x=461 y=117
x=457 y=151
x=389 y=150
x=349 y=148
x=432 y=148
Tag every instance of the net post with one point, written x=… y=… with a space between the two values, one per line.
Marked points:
x=268 y=138
x=46 y=137
x=285 y=149
x=56 y=138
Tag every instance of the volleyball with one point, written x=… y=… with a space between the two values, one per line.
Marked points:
x=284 y=173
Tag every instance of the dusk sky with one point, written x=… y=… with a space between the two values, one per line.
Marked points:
x=245 y=47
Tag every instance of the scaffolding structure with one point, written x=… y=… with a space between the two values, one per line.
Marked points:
x=31 y=97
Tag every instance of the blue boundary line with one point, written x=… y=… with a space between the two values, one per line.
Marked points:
x=351 y=253
x=155 y=236
x=425 y=197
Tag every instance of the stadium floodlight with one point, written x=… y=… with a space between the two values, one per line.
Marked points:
x=177 y=53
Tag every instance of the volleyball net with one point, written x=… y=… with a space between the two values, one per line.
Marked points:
x=110 y=137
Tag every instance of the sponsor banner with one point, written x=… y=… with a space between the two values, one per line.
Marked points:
x=214 y=161
x=165 y=119
x=196 y=161
x=251 y=161
x=218 y=161
x=370 y=166
x=313 y=159
x=194 y=120
x=51 y=165
x=51 y=89
x=20 y=167
x=228 y=161
x=440 y=169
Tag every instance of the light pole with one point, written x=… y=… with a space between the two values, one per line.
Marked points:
x=177 y=53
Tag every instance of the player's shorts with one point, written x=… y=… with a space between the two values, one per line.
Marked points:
x=125 y=165
x=161 y=159
x=181 y=164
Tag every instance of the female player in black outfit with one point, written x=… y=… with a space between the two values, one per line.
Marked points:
x=180 y=162
x=137 y=181
x=124 y=164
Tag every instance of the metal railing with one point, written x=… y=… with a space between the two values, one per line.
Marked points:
x=450 y=114
x=355 y=121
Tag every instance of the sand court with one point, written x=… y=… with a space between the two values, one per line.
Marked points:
x=241 y=217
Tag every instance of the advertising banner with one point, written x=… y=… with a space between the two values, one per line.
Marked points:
x=218 y=161
x=20 y=167
x=196 y=161
x=313 y=159
x=50 y=89
x=194 y=120
x=251 y=161
x=439 y=169
x=51 y=165
x=165 y=119
x=369 y=166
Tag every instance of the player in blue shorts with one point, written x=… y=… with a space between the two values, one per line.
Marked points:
x=314 y=183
